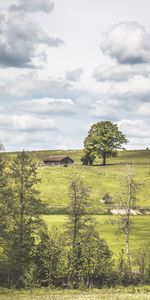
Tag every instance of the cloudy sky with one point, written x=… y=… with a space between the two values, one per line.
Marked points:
x=66 y=64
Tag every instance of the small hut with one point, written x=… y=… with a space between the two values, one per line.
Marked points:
x=58 y=160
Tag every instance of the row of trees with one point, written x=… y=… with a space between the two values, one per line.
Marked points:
x=73 y=256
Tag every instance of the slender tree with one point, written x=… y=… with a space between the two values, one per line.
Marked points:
x=5 y=195
x=26 y=217
x=3 y=190
x=78 y=220
x=88 y=253
x=6 y=216
x=79 y=209
x=128 y=202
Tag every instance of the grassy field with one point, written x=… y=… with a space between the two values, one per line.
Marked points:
x=110 y=179
x=130 y=293
x=140 y=237
x=54 y=190
x=55 y=182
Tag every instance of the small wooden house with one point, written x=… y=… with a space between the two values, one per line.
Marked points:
x=58 y=160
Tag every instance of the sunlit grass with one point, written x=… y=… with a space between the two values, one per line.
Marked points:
x=110 y=179
x=139 y=238
x=140 y=293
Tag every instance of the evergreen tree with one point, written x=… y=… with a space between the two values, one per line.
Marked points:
x=4 y=192
x=26 y=206
x=5 y=214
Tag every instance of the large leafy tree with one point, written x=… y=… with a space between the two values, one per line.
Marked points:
x=103 y=139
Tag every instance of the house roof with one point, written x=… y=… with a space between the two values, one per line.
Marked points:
x=57 y=158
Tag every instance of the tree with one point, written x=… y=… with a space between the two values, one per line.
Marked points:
x=88 y=157
x=78 y=221
x=127 y=203
x=103 y=139
x=78 y=210
x=3 y=190
x=51 y=258
x=5 y=214
x=26 y=221
x=89 y=256
x=96 y=259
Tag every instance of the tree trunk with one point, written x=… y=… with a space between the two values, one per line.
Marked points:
x=104 y=159
x=127 y=229
x=128 y=250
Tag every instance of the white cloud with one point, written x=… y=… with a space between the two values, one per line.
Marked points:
x=74 y=75
x=25 y=122
x=47 y=106
x=20 y=39
x=51 y=107
x=128 y=43
x=138 y=87
x=120 y=72
x=144 y=109
x=135 y=128
x=32 y=6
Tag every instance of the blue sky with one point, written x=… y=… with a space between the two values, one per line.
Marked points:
x=67 y=64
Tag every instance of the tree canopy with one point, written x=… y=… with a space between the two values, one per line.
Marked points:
x=103 y=140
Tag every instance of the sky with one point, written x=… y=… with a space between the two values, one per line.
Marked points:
x=66 y=64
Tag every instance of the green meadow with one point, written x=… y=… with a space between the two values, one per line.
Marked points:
x=130 y=293
x=109 y=230
x=101 y=180
x=54 y=192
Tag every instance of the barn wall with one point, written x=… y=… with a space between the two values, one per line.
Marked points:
x=65 y=161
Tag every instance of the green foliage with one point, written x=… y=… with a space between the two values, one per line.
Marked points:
x=78 y=212
x=26 y=221
x=97 y=264
x=142 y=262
x=88 y=157
x=79 y=256
x=5 y=194
x=50 y=259
x=89 y=256
x=5 y=215
x=128 y=203
x=103 y=139
x=21 y=220
x=107 y=228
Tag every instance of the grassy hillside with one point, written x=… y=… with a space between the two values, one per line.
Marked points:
x=55 y=182
x=110 y=179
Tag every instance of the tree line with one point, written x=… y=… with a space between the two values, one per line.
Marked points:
x=73 y=256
